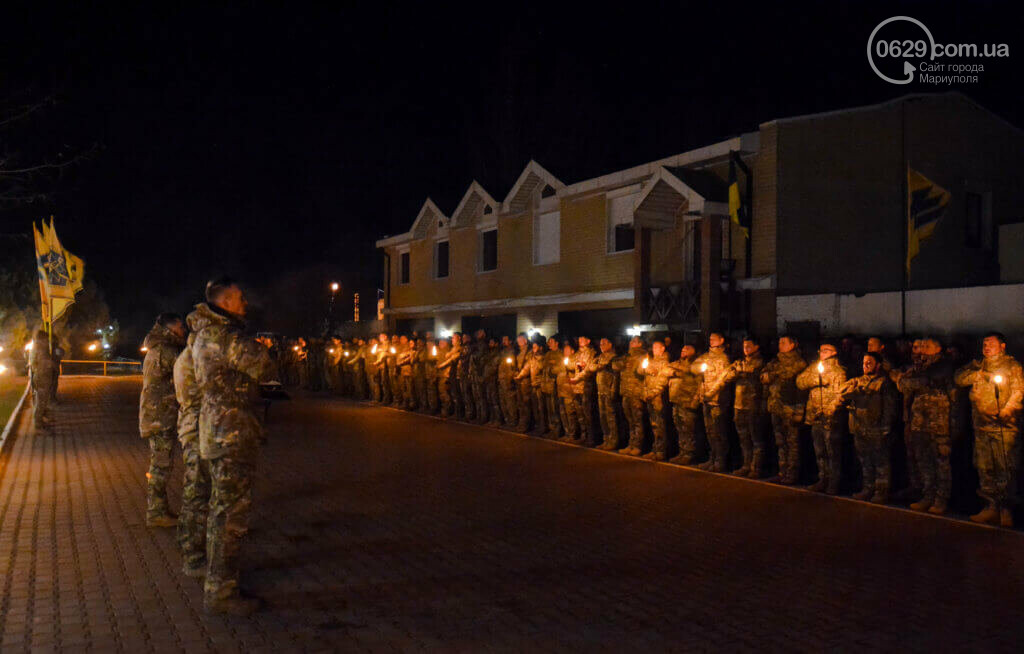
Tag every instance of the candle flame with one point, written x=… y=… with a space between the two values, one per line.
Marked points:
x=508 y=360
x=645 y=363
x=998 y=379
x=703 y=367
x=433 y=351
x=393 y=350
x=374 y=350
x=821 y=368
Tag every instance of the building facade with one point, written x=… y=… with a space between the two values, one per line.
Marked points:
x=652 y=247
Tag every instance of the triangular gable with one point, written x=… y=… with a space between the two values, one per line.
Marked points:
x=428 y=215
x=534 y=176
x=665 y=192
x=474 y=203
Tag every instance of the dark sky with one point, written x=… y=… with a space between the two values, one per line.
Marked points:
x=278 y=144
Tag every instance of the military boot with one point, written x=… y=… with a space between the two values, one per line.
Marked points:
x=756 y=465
x=1005 y=517
x=239 y=605
x=939 y=506
x=742 y=471
x=681 y=460
x=881 y=495
x=923 y=504
x=707 y=465
x=863 y=494
x=986 y=516
x=166 y=519
x=819 y=485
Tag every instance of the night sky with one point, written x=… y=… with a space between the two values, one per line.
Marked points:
x=277 y=144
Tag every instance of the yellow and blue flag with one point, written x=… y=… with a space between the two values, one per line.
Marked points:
x=737 y=211
x=61 y=273
x=926 y=202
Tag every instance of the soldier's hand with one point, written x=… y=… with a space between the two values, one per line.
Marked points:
x=1006 y=413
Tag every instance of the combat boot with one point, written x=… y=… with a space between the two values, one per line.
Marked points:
x=1005 y=517
x=880 y=497
x=165 y=520
x=832 y=488
x=742 y=471
x=238 y=605
x=196 y=571
x=939 y=506
x=626 y=450
x=755 y=465
x=986 y=516
x=819 y=485
x=863 y=494
x=923 y=504
x=681 y=460
x=707 y=465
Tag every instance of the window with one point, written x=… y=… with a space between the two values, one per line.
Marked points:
x=980 y=229
x=489 y=250
x=620 y=223
x=403 y=268
x=546 y=237
x=441 y=251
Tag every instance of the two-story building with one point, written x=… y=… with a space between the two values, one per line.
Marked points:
x=653 y=247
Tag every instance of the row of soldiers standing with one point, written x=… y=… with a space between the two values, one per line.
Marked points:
x=565 y=389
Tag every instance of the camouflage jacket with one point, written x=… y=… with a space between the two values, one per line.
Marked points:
x=551 y=363
x=40 y=362
x=563 y=378
x=490 y=360
x=522 y=356
x=158 y=409
x=532 y=369
x=683 y=386
x=823 y=398
x=746 y=372
x=656 y=376
x=405 y=360
x=980 y=376
x=630 y=379
x=447 y=365
x=930 y=384
x=717 y=362
x=871 y=403
x=229 y=367
x=464 y=369
x=507 y=366
x=603 y=368
x=780 y=376
x=582 y=377
x=186 y=389
x=429 y=361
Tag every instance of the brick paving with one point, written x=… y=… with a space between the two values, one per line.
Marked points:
x=377 y=530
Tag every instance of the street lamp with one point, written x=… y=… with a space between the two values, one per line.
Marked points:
x=92 y=347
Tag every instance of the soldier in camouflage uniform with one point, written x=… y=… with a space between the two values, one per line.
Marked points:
x=448 y=360
x=394 y=375
x=930 y=382
x=606 y=384
x=41 y=377
x=631 y=389
x=524 y=387
x=405 y=360
x=823 y=380
x=997 y=387
x=786 y=406
x=420 y=357
x=428 y=363
x=684 y=395
x=477 y=354
x=871 y=403
x=195 y=489
x=464 y=379
x=507 y=388
x=489 y=379
x=357 y=364
x=914 y=484
x=550 y=365
x=158 y=412
x=566 y=401
x=379 y=352
x=656 y=372
x=533 y=371
x=711 y=366
x=228 y=367
x=332 y=366
x=584 y=390
x=746 y=373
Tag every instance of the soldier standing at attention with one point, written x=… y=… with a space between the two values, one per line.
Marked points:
x=823 y=379
x=606 y=382
x=447 y=391
x=656 y=371
x=930 y=383
x=229 y=366
x=871 y=401
x=631 y=388
x=195 y=489
x=997 y=388
x=405 y=361
x=683 y=388
x=550 y=365
x=786 y=406
x=583 y=390
x=491 y=364
x=464 y=377
x=41 y=378
x=507 y=389
x=564 y=389
x=158 y=412
x=746 y=373
x=711 y=366
x=524 y=387
x=533 y=371
x=477 y=354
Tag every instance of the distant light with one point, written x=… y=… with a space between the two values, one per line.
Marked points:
x=111 y=327
x=143 y=349
x=92 y=347
x=331 y=350
x=106 y=346
x=508 y=360
x=565 y=361
x=346 y=352
x=295 y=347
x=28 y=346
x=531 y=331
x=334 y=286
x=393 y=350
x=445 y=333
x=633 y=331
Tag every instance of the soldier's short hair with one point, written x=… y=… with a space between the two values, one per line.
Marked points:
x=168 y=318
x=874 y=355
x=658 y=341
x=790 y=338
x=998 y=336
x=216 y=287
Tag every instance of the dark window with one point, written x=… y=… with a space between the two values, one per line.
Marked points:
x=624 y=237
x=974 y=211
x=403 y=266
x=489 y=250
x=547 y=192
x=441 y=260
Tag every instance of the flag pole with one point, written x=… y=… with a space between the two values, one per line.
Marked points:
x=906 y=220
x=49 y=325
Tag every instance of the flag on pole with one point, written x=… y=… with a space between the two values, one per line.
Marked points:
x=61 y=273
x=737 y=212
x=926 y=202
x=42 y=249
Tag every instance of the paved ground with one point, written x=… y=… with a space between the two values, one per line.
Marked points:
x=383 y=531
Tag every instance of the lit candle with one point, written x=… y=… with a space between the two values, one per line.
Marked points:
x=143 y=349
x=508 y=360
x=346 y=352
x=645 y=364
x=28 y=346
x=331 y=350
x=703 y=367
x=374 y=350
x=998 y=379
x=821 y=367
x=393 y=350
x=566 y=361
x=433 y=351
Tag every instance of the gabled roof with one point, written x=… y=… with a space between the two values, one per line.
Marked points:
x=472 y=202
x=533 y=176
x=663 y=194
x=429 y=212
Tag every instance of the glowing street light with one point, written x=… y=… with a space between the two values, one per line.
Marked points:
x=334 y=287
x=143 y=349
x=92 y=347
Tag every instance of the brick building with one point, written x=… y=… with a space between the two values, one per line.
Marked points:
x=652 y=246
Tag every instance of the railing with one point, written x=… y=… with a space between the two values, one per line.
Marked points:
x=109 y=367
x=674 y=304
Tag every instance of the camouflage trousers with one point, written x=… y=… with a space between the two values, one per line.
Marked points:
x=524 y=404
x=585 y=415
x=508 y=402
x=656 y=411
x=493 y=400
x=752 y=440
x=786 y=427
x=477 y=386
x=160 y=445
x=359 y=383
x=464 y=399
x=428 y=394
x=685 y=421
x=996 y=457
x=873 y=450
x=718 y=441
x=828 y=452
x=444 y=395
x=227 y=524
x=540 y=410
x=409 y=395
x=42 y=395
x=633 y=407
x=395 y=382
x=931 y=451
x=609 y=423
x=195 y=504
x=554 y=413
x=568 y=418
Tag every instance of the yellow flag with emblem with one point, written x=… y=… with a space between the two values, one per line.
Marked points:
x=42 y=249
x=926 y=202
x=61 y=272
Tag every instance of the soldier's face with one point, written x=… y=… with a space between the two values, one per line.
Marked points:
x=786 y=345
x=750 y=348
x=870 y=365
x=584 y=341
x=552 y=345
x=233 y=301
x=567 y=351
x=658 y=349
x=826 y=352
x=178 y=328
x=930 y=348
x=991 y=347
x=606 y=345
x=522 y=341
x=506 y=341
x=715 y=340
x=874 y=344
x=536 y=348
x=688 y=351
